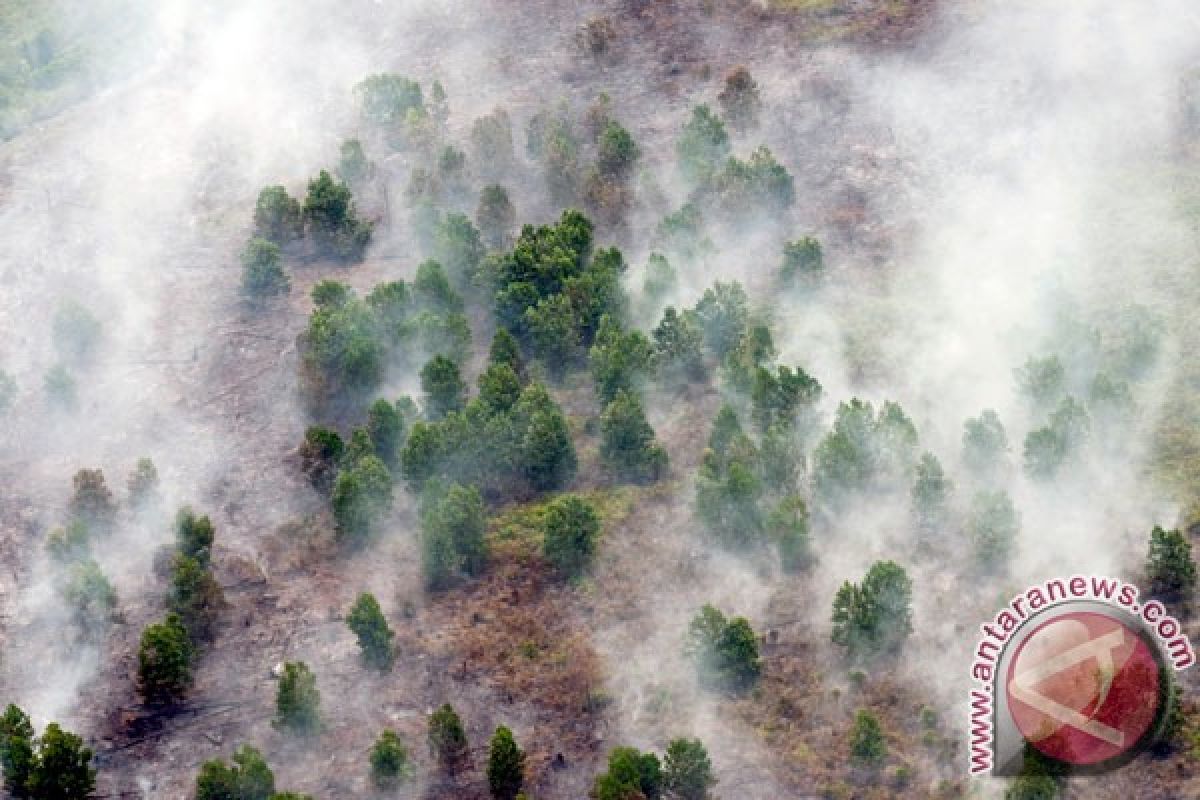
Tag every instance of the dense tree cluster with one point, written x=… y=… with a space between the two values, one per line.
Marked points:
x=745 y=495
x=551 y=290
x=502 y=447
x=53 y=766
x=873 y=617
x=725 y=650
x=349 y=342
x=1049 y=448
x=866 y=450
x=684 y=774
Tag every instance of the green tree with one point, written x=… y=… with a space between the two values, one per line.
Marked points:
x=1042 y=380
x=868 y=748
x=930 y=494
x=553 y=332
x=91 y=501
x=724 y=313
x=760 y=184
x=547 y=452
x=385 y=425
x=333 y=221
x=459 y=517
x=703 y=146
x=725 y=650
x=728 y=488
x=262 y=271
x=342 y=355
x=63 y=768
x=297 y=699
x=194 y=535
x=443 y=387
x=627 y=441
x=76 y=332
x=984 y=443
x=631 y=775
x=1169 y=565
x=447 y=739
x=992 y=527
x=499 y=388
x=277 y=216
x=367 y=622
x=739 y=99
x=618 y=359
x=803 y=262
x=142 y=483
x=687 y=770
x=362 y=496
x=787 y=525
x=1048 y=449
x=495 y=216
x=660 y=278
x=1032 y=787
x=505 y=350
x=352 y=162
x=876 y=616
x=391 y=765
x=195 y=596
x=386 y=98
x=505 y=766
x=248 y=778
x=18 y=759
x=165 y=662
x=92 y=599
x=458 y=246
x=782 y=397
x=319 y=456
x=616 y=151
x=678 y=342
x=492 y=144
x=570 y=527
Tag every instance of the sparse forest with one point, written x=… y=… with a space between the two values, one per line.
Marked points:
x=615 y=400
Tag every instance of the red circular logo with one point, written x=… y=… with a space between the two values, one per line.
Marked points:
x=1083 y=688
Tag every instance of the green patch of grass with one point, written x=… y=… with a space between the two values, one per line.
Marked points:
x=515 y=531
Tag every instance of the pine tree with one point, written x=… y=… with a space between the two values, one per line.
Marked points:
x=505 y=767
x=165 y=662
x=687 y=770
x=367 y=622
x=1169 y=565
x=390 y=762
x=297 y=699
x=447 y=739
x=571 y=527
x=867 y=745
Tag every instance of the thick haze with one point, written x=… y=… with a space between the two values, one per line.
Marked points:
x=1011 y=161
